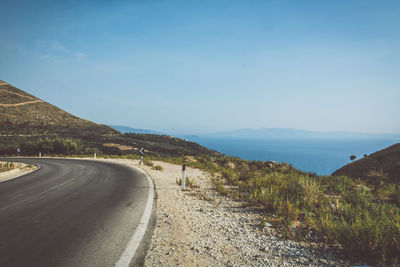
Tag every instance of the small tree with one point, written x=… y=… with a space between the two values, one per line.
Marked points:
x=365 y=156
x=352 y=157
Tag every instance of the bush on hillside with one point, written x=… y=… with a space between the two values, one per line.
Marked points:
x=363 y=218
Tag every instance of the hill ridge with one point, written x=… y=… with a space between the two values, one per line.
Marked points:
x=37 y=126
x=380 y=165
x=35 y=116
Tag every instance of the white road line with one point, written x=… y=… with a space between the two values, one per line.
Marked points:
x=136 y=239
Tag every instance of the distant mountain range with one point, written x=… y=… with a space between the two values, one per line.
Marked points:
x=267 y=133
x=127 y=129
x=285 y=133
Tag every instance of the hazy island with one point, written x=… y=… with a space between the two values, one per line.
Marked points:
x=356 y=209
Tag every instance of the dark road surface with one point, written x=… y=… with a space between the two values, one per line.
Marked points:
x=70 y=213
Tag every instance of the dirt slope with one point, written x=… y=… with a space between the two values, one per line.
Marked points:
x=34 y=126
x=383 y=164
x=24 y=114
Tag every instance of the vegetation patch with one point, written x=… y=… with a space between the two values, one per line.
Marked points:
x=158 y=168
x=148 y=163
x=120 y=147
x=189 y=182
x=35 y=126
x=360 y=217
x=7 y=166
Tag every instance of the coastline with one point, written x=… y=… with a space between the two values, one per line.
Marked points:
x=320 y=156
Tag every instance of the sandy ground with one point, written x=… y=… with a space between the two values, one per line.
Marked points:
x=21 y=169
x=199 y=227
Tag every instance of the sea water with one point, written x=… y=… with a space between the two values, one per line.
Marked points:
x=320 y=156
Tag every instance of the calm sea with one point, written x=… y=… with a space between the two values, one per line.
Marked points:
x=320 y=156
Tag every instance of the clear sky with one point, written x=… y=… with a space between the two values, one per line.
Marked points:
x=203 y=66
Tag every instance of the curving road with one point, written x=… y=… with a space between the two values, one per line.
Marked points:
x=70 y=213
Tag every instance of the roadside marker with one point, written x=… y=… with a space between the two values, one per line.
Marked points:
x=183 y=175
x=141 y=151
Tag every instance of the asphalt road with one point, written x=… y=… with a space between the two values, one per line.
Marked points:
x=70 y=213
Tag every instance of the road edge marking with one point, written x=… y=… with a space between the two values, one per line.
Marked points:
x=137 y=237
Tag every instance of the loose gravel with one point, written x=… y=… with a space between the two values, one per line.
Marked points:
x=199 y=227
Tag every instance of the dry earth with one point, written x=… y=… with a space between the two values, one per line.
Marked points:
x=19 y=170
x=199 y=227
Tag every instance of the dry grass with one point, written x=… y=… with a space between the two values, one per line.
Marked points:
x=7 y=166
x=119 y=146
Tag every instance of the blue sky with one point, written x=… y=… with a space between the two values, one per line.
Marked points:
x=204 y=66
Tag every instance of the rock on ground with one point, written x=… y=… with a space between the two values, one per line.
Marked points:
x=199 y=227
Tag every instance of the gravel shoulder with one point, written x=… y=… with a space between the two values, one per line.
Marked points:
x=19 y=170
x=199 y=227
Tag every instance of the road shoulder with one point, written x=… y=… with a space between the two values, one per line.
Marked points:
x=199 y=227
x=19 y=170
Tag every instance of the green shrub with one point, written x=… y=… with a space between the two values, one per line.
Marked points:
x=7 y=166
x=219 y=186
x=189 y=182
x=148 y=163
x=230 y=176
x=362 y=216
x=365 y=229
x=158 y=168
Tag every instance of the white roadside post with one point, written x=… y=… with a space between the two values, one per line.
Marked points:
x=141 y=151
x=183 y=175
x=94 y=155
x=40 y=154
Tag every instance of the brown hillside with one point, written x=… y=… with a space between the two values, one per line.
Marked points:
x=383 y=164
x=34 y=126
x=24 y=114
